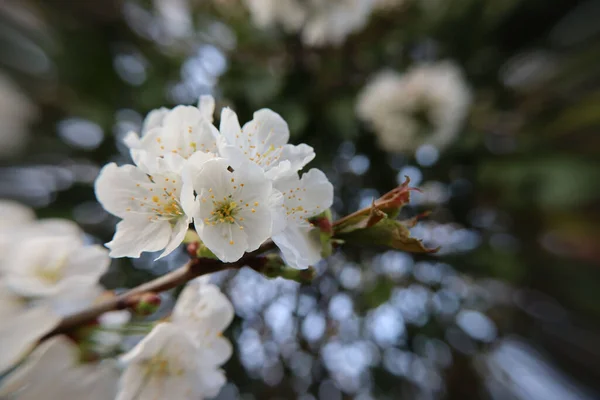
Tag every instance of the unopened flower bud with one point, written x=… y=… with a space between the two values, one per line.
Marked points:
x=146 y=304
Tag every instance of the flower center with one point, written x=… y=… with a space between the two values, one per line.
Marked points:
x=167 y=208
x=52 y=273
x=223 y=212
x=162 y=367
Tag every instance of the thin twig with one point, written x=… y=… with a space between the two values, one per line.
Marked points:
x=193 y=269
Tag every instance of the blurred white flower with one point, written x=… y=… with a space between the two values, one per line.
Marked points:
x=232 y=211
x=427 y=104
x=303 y=198
x=263 y=141
x=17 y=112
x=181 y=359
x=149 y=204
x=13 y=214
x=21 y=328
x=39 y=267
x=54 y=371
x=385 y=5
x=320 y=22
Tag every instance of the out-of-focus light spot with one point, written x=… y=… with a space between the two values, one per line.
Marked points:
x=341 y=306
x=394 y=264
x=476 y=325
x=131 y=68
x=346 y=150
x=412 y=172
x=522 y=372
x=351 y=276
x=359 y=164
x=313 y=327
x=528 y=69
x=427 y=155
x=386 y=325
x=413 y=303
x=81 y=133
x=397 y=362
x=427 y=273
x=445 y=302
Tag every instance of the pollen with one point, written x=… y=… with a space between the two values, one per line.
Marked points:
x=231 y=242
x=155 y=199
x=256 y=203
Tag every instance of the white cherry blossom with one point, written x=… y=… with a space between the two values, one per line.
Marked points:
x=20 y=328
x=150 y=205
x=262 y=141
x=320 y=22
x=47 y=266
x=181 y=359
x=233 y=209
x=163 y=365
x=205 y=312
x=395 y=105
x=303 y=198
x=181 y=131
x=53 y=371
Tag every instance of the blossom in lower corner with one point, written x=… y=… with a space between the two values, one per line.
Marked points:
x=232 y=211
x=181 y=359
x=21 y=328
x=303 y=198
x=150 y=205
x=54 y=371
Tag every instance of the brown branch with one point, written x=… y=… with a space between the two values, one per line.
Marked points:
x=195 y=268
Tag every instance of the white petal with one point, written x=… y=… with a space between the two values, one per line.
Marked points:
x=299 y=245
x=298 y=156
x=14 y=214
x=226 y=241
x=305 y=197
x=154 y=119
x=132 y=140
x=205 y=305
x=90 y=262
x=135 y=235
x=116 y=188
x=46 y=363
x=268 y=127
x=177 y=235
x=278 y=212
x=206 y=105
x=230 y=126
x=19 y=334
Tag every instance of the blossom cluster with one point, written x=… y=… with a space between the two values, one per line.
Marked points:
x=425 y=105
x=47 y=272
x=319 y=22
x=239 y=186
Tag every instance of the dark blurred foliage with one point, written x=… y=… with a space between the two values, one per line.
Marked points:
x=516 y=206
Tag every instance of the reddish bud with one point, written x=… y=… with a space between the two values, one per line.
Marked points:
x=145 y=304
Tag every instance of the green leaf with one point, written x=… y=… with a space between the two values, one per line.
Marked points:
x=389 y=233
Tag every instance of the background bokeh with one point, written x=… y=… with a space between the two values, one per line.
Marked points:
x=509 y=308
